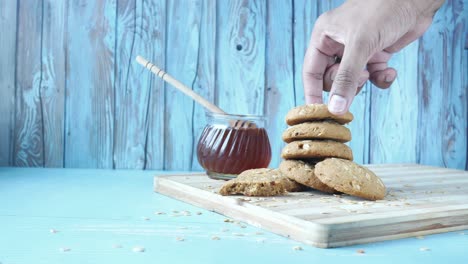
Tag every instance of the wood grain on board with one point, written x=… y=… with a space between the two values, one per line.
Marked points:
x=8 y=27
x=184 y=20
x=443 y=88
x=205 y=81
x=54 y=37
x=305 y=15
x=137 y=94
x=72 y=95
x=29 y=125
x=89 y=111
x=155 y=28
x=279 y=94
x=420 y=200
x=394 y=128
x=241 y=42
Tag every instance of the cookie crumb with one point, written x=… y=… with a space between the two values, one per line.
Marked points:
x=159 y=213
x=227 y=220
x=53 y=231
x=146 y=218
x=424 y=249
x=215 y=238
x=65 y=249
x=324 y=213
x=237 y=234
x=361 y=251
x=420 y=237
x=241 y=200
x=138 y=249
x=180 y=239
x=297 y=248
x=198 y=213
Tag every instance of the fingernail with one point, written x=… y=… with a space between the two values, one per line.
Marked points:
x=388 y=78
x=337 y=104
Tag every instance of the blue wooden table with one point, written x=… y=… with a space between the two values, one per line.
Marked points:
x=104 y=216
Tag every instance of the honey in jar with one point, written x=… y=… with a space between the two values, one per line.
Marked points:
x=231 y=144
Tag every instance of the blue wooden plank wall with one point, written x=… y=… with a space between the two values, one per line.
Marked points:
x=71 y=94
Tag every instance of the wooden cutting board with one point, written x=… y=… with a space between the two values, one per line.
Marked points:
x=421 y=200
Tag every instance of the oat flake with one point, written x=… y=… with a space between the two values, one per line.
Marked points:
x=297 y=248
x=138 y=249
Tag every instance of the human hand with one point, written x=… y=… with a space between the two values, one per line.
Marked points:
x=364 y=34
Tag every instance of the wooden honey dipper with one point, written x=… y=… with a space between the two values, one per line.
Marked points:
x=189 y=92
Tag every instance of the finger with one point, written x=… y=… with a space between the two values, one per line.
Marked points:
x=362 y=81
x=381 y=56
x=346 y=81
x=330 y=74
x=375 y=67
x=319 y=56
x=384 y=78
x=380 y=74
x=378 y=62
x=315 y=63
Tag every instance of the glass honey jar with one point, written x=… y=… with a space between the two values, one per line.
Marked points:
x=231 y=144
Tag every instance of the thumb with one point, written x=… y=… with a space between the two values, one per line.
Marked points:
x=346 y=81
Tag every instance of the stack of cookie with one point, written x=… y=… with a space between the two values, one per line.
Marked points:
x=317 y=157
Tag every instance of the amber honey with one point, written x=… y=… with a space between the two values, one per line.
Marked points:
x=224 y=150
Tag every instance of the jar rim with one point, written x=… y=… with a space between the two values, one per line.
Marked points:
x=233 y=116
